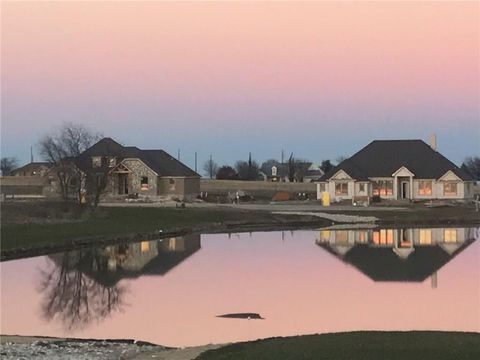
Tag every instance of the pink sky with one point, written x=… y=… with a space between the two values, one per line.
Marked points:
x=223 y=70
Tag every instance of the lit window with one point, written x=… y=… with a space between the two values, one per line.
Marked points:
x=324 y=235
x=144 y=246
x=383 y=237
x=341 y=236
x=425 y=236
x=341 y=189
x=96 y=161
x=450 y=188
x=382 y=187
x=424 y=188
x=112 y=161
x=362 y=236
x=450 y=235
x=144 y=183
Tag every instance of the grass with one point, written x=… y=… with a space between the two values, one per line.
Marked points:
x=421 y=345
x=30 y=226
x=110 y=222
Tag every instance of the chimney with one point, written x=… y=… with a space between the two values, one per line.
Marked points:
x=433 y=142
x=434 y=280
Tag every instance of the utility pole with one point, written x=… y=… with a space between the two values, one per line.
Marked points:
x=178 y=155
x=195 y=161
x=31 y=154
x=282 y=174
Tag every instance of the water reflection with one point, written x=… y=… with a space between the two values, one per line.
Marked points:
x=397 y=254
x=158 y=292
x=83 y=286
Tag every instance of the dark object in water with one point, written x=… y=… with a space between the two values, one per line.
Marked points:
x=247 y=316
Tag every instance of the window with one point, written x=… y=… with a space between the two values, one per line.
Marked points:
x=172 y=184
x=322 y=187
x=382 y=187
x=96 y=161
x=450 y=235
x=362 y=236
x=383 y=237
x=112 y=161
x=341 y=236
x=144 y=183
x=144 y=246
x=424 y=188
x=341 y=189
x=324 y=235
x=450 y=188
x=425 y=236
x=361 y=187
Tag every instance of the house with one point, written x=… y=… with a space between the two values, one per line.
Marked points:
x=390 y=254
x=397 y=169
x=39 y=169
x=134 y=171
x=302 y=172
x=313 y=174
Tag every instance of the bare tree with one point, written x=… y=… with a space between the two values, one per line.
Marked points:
x=210 y=167
x=248 y=170
x=7 y=165
x=471 y=165
x=73 y=297
x=61 y=148
x=340 y=158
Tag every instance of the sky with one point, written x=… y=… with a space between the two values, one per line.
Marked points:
x=316 y=79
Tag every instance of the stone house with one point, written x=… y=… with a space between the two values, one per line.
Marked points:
x=397 y=169
x=132 y=171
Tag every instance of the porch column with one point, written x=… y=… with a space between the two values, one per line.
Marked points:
x=411 y=187
x=395 y=187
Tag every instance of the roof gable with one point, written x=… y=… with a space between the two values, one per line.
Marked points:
x=158 y=161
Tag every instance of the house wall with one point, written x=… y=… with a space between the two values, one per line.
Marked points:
x=139 y=169
x=438 y=191
x=182 y=187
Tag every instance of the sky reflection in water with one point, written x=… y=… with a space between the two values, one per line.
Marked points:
x=171 y=291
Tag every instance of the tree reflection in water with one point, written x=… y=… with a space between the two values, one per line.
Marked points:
x=73 y=297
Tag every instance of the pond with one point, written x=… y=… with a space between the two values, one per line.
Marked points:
x=189 y=290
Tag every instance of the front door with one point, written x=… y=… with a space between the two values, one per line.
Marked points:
x=122 y=184
x=405 y=190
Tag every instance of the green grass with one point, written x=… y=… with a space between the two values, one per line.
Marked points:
x=419 y=345
x=109 y=222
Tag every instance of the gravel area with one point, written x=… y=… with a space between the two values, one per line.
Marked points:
x=74 y=349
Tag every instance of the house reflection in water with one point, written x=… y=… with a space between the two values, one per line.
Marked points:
x=397 y=254
x=157 y=257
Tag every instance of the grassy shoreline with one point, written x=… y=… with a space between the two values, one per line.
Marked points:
x=391 y=345
x=30 y=229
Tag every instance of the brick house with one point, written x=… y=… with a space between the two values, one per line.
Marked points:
x=134 y=171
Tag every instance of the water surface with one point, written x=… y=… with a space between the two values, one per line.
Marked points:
x=172 y=291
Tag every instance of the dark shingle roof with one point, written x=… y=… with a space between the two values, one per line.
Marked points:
x=381 y=158
x=33 y=166
x=382 y=264
x=157 y=160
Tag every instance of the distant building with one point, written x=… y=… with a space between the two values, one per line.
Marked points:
x=135 y=171
x=398 y=169
x=33 y=169
x=303 y=172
